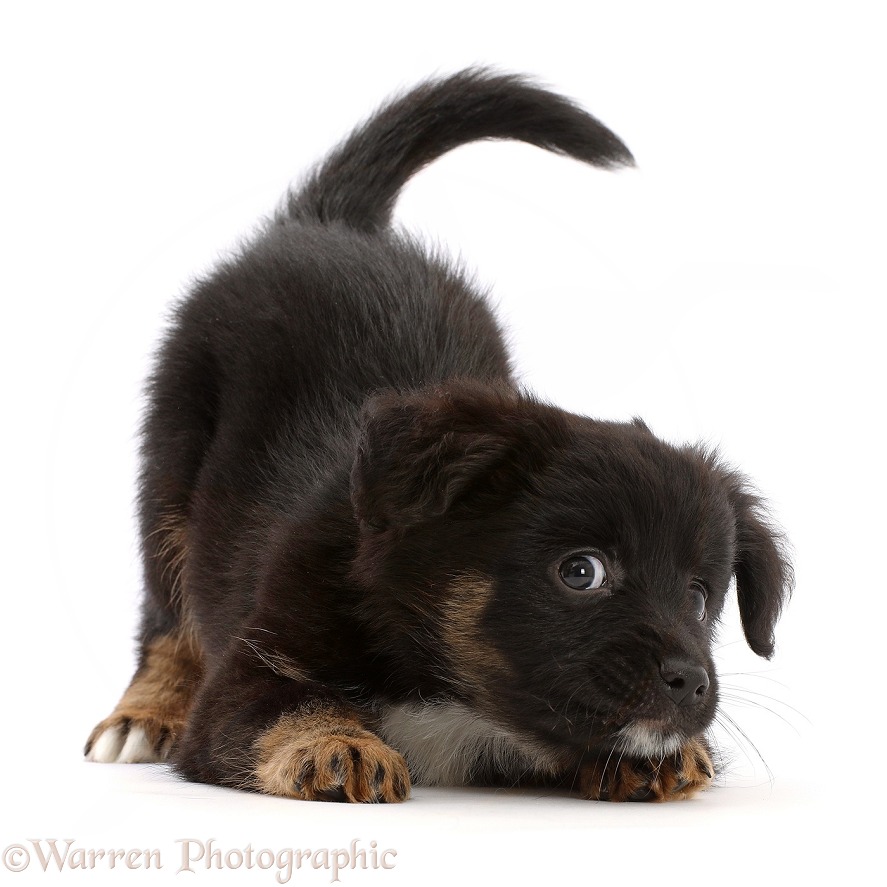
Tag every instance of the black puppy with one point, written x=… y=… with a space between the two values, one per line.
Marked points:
x=370 y=558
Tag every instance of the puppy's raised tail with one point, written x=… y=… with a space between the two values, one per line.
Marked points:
x=360 y=180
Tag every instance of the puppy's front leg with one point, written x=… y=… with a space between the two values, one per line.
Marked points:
x=253 y=728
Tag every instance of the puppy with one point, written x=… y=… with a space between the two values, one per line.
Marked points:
x=370 y=559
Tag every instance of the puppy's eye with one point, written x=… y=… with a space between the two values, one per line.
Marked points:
x=698 y=595
x=583 y=572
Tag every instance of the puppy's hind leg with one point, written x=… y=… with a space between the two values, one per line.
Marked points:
x=177 y=432
x=152 y=711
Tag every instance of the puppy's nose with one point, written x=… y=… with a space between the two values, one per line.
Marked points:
x=684 y=682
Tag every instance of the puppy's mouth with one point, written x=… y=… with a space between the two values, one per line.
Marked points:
x=635 y=734
x=637 y=713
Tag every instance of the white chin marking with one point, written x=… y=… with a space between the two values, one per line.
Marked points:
x=114 y=746
x=643 y=741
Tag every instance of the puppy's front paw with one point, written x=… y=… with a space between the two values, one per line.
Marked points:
x=675 y=777
x=344 y=764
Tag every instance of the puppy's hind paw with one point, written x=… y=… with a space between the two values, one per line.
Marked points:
x=678 y=776
x=120 y=740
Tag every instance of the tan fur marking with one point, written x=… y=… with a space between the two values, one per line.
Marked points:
x=676 y=777
x=172 y=549
x=172 y=552
x=471 y=652
x=160 y=695
x=318 y=754
x=279 y=663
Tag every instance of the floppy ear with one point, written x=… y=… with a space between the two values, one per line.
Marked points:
x=764 y=576
x=421 y=454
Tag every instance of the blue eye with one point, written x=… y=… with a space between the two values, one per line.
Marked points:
x=583 y=572
x=698 y=595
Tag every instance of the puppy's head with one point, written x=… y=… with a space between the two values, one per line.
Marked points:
x=563 y=575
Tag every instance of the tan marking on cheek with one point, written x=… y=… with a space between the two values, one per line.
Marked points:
x=472 y=652
x=323 y=754
x=160 y=695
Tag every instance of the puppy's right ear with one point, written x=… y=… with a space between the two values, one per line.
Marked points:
x=419 y=455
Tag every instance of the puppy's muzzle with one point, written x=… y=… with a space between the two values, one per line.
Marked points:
x=683 y=682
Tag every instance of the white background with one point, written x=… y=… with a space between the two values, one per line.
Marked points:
x=730 y=290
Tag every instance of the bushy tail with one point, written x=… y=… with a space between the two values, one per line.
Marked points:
x=360 y=180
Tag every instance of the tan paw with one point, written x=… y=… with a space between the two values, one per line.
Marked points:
x=346 y=764
x=677 y=776
x=130 y=740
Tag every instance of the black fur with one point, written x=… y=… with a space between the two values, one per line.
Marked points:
x=334 y=430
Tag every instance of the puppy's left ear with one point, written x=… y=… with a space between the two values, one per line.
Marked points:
x=764 y=576
x=421 y=455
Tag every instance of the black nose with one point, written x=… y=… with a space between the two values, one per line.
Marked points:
x=685 y=683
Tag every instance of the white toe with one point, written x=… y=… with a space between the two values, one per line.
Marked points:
x=137 y=749
x=107 y=746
